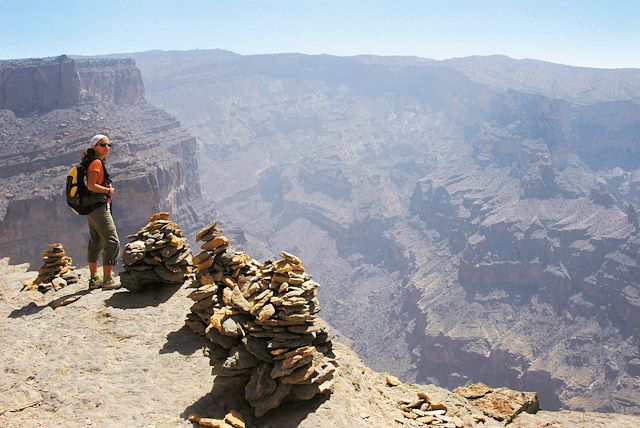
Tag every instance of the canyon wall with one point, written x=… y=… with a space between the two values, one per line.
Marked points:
x=153 y=160
x=463 y=229
x=38 y=85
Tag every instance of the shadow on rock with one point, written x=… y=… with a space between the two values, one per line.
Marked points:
x=183 y=341
x=151 y=296
x=32 y=308
x=29 y=309
x=224 y=396
x=290 y=414
x=228 y=394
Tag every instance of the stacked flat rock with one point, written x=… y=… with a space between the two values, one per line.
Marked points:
x=423 y=412
x=56 y=271
x=158 y=254
x=261 y=320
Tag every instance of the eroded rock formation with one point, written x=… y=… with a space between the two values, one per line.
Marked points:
x=110 y=80
x=38 y=85
x=153 y=160
x=464 y=227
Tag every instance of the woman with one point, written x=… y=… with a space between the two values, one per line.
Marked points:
x=103 y=236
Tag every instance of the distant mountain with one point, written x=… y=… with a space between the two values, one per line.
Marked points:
x=578 y=85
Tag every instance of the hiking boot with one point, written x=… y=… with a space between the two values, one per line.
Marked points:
x=95 y=282
x=109 y=284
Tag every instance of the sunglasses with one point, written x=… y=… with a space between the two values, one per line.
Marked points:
x=104 y=145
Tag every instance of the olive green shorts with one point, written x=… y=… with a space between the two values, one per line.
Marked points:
x=103 y=236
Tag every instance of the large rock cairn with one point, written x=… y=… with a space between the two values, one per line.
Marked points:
x=56 y=271
x=158 y=254
x=261 y=320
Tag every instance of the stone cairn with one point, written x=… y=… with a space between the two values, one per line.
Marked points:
x=158 y=254
x=56 y=271
x=261 y=320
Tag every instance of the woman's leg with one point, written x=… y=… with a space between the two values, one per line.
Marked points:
x=103 y=224
x=111 y=244
x=93 y=252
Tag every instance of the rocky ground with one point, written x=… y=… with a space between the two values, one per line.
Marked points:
x=112 y=358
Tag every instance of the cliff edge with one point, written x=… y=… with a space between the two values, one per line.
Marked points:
x=112 y=358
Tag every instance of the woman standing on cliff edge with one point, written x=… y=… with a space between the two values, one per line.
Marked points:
x=103 y=236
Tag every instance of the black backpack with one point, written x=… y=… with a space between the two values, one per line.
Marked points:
x=80 y=199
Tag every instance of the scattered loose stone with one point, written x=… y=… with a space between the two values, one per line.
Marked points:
x=260 y=318
x=56 y=271
x=158 y=254
x=235 y=419
x=501 y=404
x=63 y=301
x=422 y=411
x=392 y=380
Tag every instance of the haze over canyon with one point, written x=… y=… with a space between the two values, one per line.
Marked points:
x=469 y=220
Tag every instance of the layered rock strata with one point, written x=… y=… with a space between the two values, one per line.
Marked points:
x=38 y=85
x=56 y=271
x=261 y=321
x=554 y=275
x=110 y=80
x=157 y=255
x=152 y=162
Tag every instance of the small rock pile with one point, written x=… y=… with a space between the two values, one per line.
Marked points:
x=56 y=271
x=261 y=320
x=487 y=405
x=158 y=254
x=423 y=412
x=233 y=419
x=501 y=404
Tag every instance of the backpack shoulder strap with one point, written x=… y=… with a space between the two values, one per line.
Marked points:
x=87 y=162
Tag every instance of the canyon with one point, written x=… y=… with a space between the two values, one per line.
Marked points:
x=469 y=220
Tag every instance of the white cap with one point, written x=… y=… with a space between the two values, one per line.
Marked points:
x=96 y=139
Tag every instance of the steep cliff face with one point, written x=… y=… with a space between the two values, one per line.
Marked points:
x=41 y=85
x=110 y=80
x=533 y=306
x=153 y=163
x=38 y=85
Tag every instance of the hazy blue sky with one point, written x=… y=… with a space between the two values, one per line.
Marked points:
x=590 y=33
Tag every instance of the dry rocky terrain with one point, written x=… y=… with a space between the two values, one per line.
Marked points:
x=113 y=358
x=484 y=223
x=153 y=159
x=464 y=227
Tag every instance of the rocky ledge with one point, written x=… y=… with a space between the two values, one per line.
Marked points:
x=102 y=368
x=153 y=161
